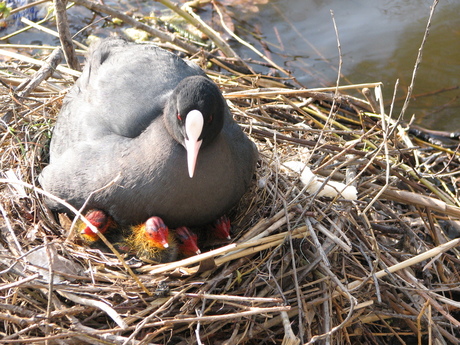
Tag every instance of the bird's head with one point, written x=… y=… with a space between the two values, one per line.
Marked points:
x=195 y=115
x=188 y=242
x=221 y=228
x=100 y=220
x=156 y=233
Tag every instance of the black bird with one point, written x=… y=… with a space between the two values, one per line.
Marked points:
x=144 y=133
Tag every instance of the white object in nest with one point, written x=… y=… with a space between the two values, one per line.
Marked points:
x=331 y=189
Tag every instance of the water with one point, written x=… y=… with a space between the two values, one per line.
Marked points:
x=379 y=42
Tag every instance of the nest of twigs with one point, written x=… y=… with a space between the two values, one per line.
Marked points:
x=301 y=267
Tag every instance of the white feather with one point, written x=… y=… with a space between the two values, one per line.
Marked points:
x=331 y=189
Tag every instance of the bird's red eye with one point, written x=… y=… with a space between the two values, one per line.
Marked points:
x=179 y=117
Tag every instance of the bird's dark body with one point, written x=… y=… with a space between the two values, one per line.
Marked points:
x=111 y=146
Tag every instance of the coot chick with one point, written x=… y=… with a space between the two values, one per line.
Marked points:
x=100 y=220
x=187 y=242
x=220 y=228
x=151 y=241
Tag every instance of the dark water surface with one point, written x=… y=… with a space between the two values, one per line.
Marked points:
x=379 y=43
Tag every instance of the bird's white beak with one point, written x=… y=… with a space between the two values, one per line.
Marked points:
x=193 y=127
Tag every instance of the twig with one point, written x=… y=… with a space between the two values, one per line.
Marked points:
x=294 y=92
x=214 y=318
x=231 y=33
x=195 y=20
x=97 y=7
x=42 y=74
x=19 y=282
x=51 y=32
x=418 y=61
x=222 y=297
x=65 y=37
x=38 y=62
x=233 y=251
x=96 y=304
x=421 y=200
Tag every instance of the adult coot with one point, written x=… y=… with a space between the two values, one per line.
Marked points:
x=144 y=133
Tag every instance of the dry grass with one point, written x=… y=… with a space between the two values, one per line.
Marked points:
x=300 y=269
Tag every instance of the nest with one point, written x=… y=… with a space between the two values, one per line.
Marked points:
x=302 y=267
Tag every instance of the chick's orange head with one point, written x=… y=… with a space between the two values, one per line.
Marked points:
x=99 y=220
x=156 y=232
x=188 y=242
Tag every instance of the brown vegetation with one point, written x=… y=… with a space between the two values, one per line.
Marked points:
x=301 y=268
